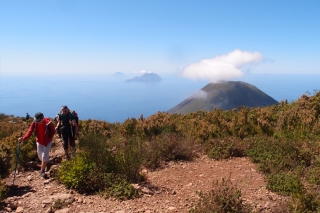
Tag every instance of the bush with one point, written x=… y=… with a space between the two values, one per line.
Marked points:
x=223 y=198
x=313 y=175
x=129 y=158
x=224 y=148
x=98 y=167
x=84 y=176
x=118 y=187
x=284 y=183
x=113 y=156
x=9 y=149
x=5 y=159
x=305 y=202
x=95 y=147
x=128 y=128
x=80 y=174
x=168 y=147
x=156 y=124
x=10 y=125
x=274 y=155
x=3 y=190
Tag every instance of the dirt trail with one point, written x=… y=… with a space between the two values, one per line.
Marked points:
x=172 y=189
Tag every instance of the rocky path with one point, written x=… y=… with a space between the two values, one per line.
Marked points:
x=172 y=189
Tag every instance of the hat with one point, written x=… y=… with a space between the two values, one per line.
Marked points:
x=64 y=107
x=38 y=117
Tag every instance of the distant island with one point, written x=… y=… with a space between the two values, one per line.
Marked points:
x=147 y=77
x=224 y=95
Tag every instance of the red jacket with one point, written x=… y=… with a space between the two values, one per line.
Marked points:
x=44 y=131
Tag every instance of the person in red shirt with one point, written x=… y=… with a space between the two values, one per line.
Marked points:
x=44 y=130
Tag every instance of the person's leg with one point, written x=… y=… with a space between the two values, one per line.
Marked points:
x=45 y=156
x=72 y=137
x=65 y=138
x=59 y=131
x=39 y=151
x=72 y=142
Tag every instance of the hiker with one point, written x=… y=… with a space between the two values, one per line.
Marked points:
x=67 y=121
x=27 y=116
x=75 y=127
x=58 y=127
x=44 y=131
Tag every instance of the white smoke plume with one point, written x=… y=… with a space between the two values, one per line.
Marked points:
x=221 y=68
x=200 y=94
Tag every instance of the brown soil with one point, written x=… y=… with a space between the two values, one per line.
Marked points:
x=171 y=189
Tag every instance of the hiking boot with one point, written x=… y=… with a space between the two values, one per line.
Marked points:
x=43 y=174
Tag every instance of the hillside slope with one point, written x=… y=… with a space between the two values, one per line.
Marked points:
x=225 y=96
x=170 y=189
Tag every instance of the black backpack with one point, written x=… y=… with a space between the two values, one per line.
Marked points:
x=75 y=114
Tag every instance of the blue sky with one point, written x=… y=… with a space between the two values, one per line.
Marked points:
x=204 y=39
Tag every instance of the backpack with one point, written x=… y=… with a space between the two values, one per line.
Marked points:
x=75 y=114
x=72 y=113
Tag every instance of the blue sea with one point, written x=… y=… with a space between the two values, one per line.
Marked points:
x=115 y=100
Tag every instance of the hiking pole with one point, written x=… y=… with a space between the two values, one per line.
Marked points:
x=17 y=158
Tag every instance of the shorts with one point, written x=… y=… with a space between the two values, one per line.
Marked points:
x=43 y=152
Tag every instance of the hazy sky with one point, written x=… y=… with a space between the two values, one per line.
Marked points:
x=200 y=39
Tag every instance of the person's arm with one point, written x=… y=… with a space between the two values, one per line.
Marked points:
x=29 y=133
x=52 y=130
x=58 y=122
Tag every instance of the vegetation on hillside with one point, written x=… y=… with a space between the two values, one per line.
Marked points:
x=283 y=140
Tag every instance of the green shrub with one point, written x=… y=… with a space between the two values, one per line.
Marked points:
x=9 y=150
x=104 y=164
x=223 y=148
x=28 y=151
x=10 y=125
x=129 y=158
x=156 y=124
x=128 y=127
x=223 y=198
x=274 y=155
x=84 y=176
x=5 y=159
x=122 y=157
x=118 y=187
x=95 y=147
x=313 y=171
x=306 y=201
x=168 y=147
x=313 y=175
x=3 y=190
x=284 y=183
x=80 y=174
